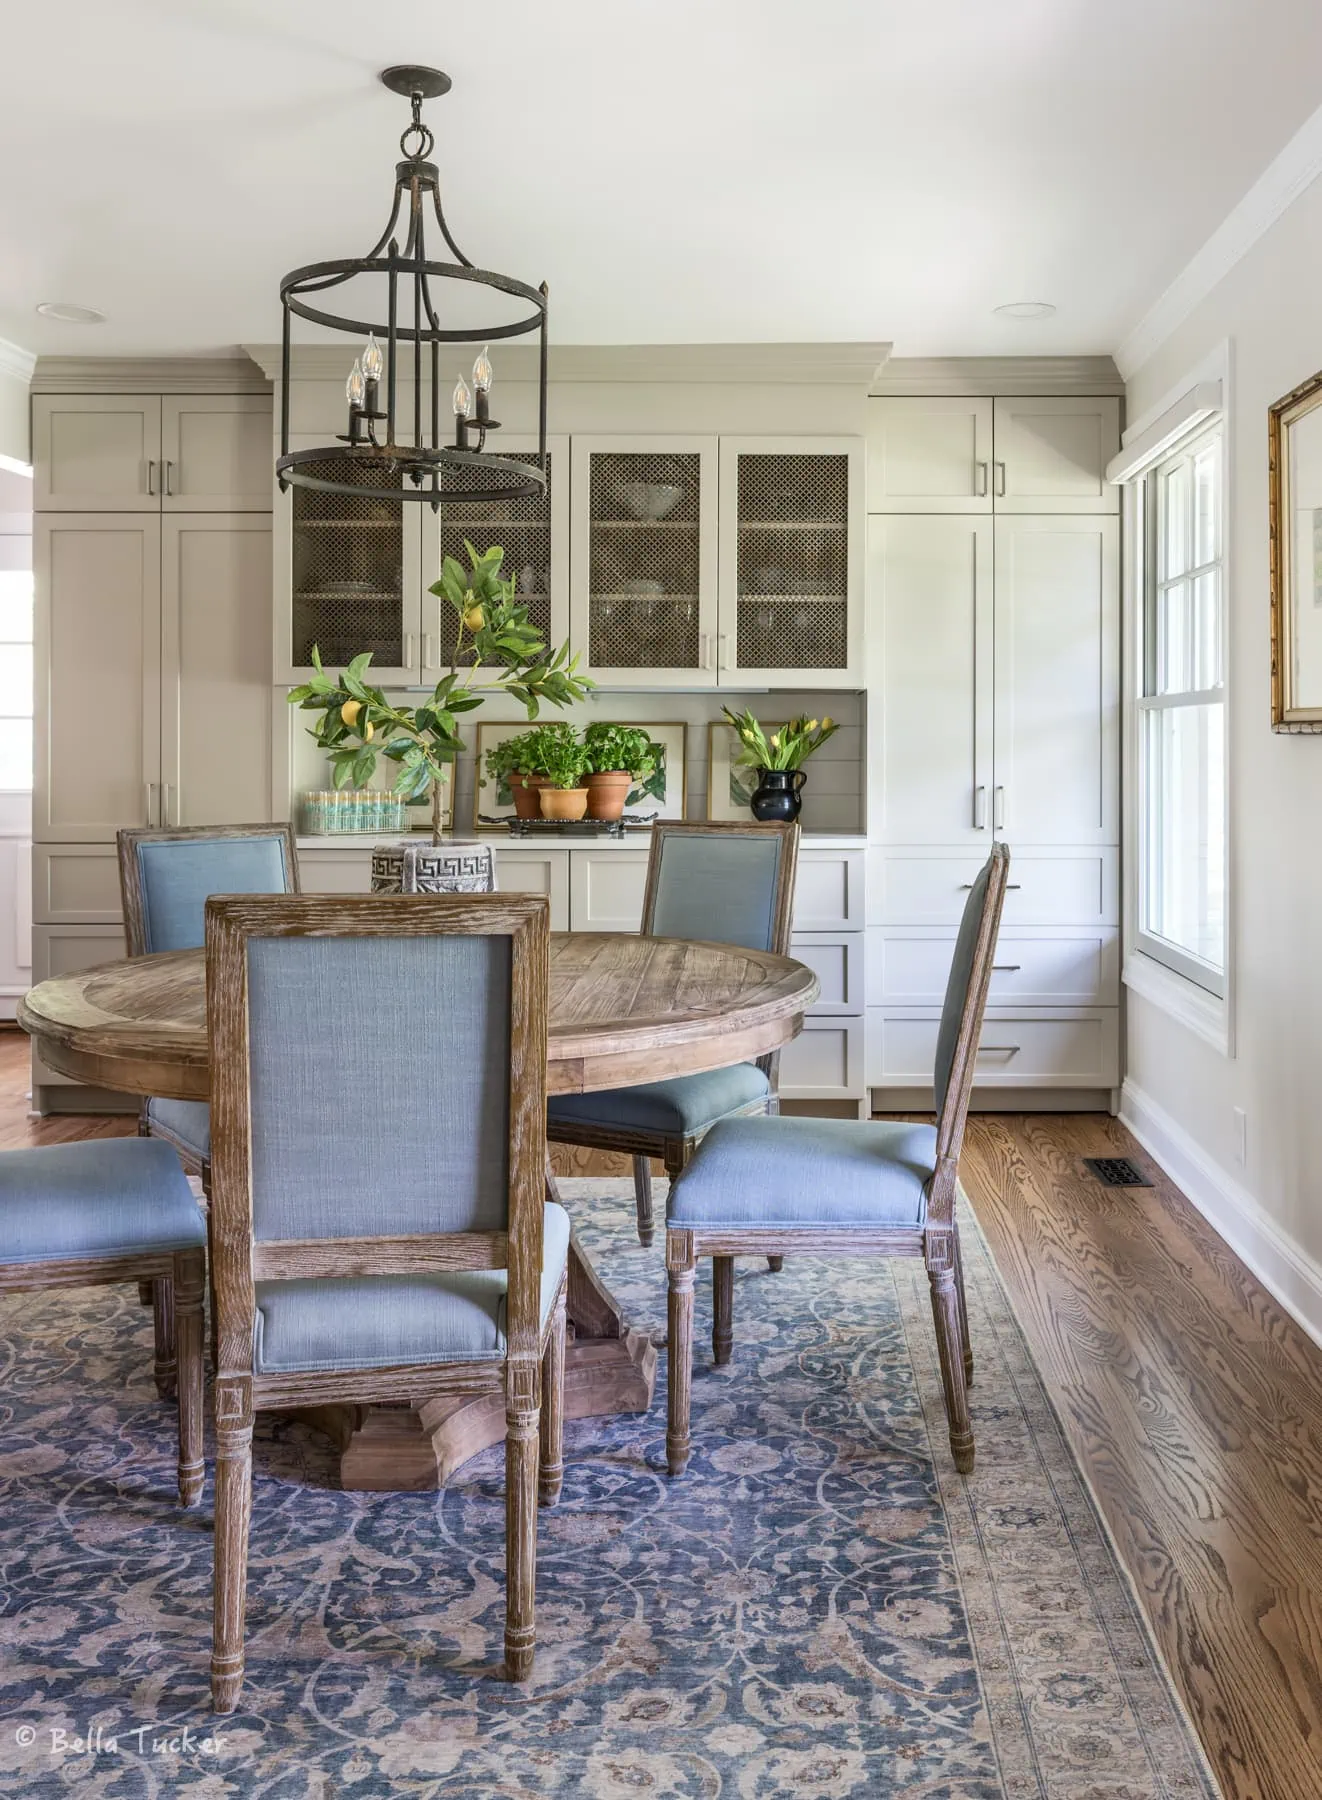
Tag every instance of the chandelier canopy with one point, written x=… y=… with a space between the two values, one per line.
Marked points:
x=402 y=439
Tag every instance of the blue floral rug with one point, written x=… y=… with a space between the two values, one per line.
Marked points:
x=821 y=1607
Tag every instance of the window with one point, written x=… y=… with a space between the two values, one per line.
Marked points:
x=1181 y=706
x=15 y=680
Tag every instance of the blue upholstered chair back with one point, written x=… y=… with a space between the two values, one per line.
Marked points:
x=722 y=889
x=957 y=984
x=178 y=874
x=379 y=1073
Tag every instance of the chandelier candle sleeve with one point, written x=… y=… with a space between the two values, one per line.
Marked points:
x=399 y=451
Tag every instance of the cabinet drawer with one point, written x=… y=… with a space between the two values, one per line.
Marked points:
x=1018 y=1048
x=1056 y=887
x=825 y=1061
x=60 y=950
x=828 y=890
x=537 y=872
x=837 y=962
x=1060 y=968
x=75 y=884
x=606 y=889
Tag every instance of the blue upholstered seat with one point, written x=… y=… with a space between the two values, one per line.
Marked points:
x=688 y=1103
x=806 y=1172
x=178 y=875
x=380 y=1321
x=113 y=1197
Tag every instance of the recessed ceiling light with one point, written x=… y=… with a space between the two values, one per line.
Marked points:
x=68 y=313
x=1025 y=309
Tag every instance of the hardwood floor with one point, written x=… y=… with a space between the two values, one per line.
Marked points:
x=1193 y=1402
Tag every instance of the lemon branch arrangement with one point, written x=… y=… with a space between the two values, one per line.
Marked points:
x=787 y=747
x=493 y=636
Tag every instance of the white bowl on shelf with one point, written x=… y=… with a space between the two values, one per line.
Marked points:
x=649 y=501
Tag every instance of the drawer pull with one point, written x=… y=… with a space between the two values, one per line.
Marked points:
x=1006 y=968
x=1000 y=1049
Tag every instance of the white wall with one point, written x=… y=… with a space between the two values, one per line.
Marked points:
x=1180 y=1092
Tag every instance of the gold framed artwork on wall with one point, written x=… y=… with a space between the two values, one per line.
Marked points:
x=1294 y=475
x=729 y=784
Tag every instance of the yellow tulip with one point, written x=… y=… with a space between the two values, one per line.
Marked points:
x=827 y=724
x=812 y=725
x=350 y=710
x=775 y=740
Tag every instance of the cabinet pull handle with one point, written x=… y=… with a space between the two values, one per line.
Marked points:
x=1000 y=478
x=722 y=659
x=167 y=486
x=427 y=662
x=703 y=651
x=998 y=809
x=979 y=809
x=1006 y=968
x=999 y=1049
x=979 y=479
x=166 y=792
x=149 y=787
x=151 y=475
x=408 y=649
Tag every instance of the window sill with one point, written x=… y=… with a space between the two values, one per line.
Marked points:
x=1206 y=1015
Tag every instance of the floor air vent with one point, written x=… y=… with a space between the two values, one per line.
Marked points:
x=1116 y=1171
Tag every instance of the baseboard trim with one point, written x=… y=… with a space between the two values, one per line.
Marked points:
x=1283 y=1267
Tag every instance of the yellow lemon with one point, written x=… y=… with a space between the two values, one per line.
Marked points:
x=474 y=619
x=350 y=710
x=369 y=732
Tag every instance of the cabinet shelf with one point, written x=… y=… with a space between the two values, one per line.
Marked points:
x=347 y=525
x=793 y=525
x=819 y=597
x=645 y=525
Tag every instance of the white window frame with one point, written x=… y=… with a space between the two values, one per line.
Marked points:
x=7 y=713
x=1187 y=411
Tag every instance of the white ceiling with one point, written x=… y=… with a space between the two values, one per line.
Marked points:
x=693 y=171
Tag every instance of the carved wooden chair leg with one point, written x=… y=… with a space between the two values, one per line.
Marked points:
x=722 y=1287
x=642 y=1193
x=233 y=1513
x=190 y=1274
x=211 y=1263
x=522 y=1431
x=166 y=1366
x=963 y=1311
x=945 y=1316
x=551 y=1473
x=681 y=1268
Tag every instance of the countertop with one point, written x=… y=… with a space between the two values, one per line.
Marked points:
x=501 y=841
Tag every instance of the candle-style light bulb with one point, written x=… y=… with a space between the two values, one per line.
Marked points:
x=355 y=387
x=373 y=361
x=482 y=372
x=463 y=400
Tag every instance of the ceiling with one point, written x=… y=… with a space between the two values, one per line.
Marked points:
x=701 y=171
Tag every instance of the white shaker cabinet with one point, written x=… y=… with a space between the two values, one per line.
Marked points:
x=930 y=455
x=151 y=452
x=1050 y=454
x=215 y=453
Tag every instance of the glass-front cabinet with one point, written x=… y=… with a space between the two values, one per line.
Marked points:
x=643 y=560
x=791 y=540
x=533 y=532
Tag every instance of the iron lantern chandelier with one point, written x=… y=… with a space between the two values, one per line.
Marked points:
x=414 y=447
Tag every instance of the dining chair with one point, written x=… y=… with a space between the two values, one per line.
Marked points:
x=112 y=1210
x=727 y=884
x=379 y=1223
x=823 y=1187
x=165 y=877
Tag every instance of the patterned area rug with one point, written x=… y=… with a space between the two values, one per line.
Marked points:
x=820 y=1607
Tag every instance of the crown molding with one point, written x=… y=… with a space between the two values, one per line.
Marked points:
x=148 y=374
x=1277 y=188
x=980 y=375
x=16 y=361
x=845 y=365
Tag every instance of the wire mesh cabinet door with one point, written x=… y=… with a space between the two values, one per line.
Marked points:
x=643 y=560
x=791 y=562
x=532 y=531
x=348 y=579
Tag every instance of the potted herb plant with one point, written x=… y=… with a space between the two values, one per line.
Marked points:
x=508 y=765
x=493 y=630
x=619 y=756
x=561 y=761
x=778 y=759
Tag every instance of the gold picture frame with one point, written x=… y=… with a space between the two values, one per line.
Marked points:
x=1294 y=500
x=727 y=800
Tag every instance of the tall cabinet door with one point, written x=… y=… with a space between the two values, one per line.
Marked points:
x=1057 y=680
x=930 y=454
x=216 y=453
x=532 y=531
x=643 y=560
x=930 y=649
x=96 y=452
x=791 y=562
x=98 y=656
x=215 y=669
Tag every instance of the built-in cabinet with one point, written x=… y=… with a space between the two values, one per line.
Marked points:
x=993 y=655
x=151 y=453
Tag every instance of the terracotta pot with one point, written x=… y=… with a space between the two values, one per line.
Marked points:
x=563 y=803
x=607 y=793
x=524 y=789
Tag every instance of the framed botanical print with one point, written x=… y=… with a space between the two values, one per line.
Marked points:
x=1294 y=466
x=662 y=795
x=729 y=784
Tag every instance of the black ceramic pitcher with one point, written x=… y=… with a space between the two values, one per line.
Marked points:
x=777 y=794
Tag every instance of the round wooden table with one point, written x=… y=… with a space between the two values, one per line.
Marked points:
x=622 y=1010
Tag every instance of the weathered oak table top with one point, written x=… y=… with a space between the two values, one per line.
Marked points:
x=623 y=1009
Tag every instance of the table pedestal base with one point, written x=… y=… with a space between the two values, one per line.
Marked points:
x=416 y=1448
